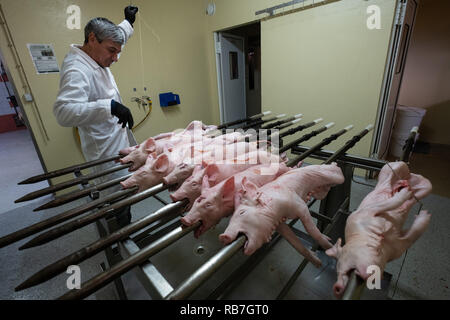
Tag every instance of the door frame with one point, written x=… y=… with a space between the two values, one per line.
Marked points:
x=387 y=94
x=219 y=69
x=24 y=114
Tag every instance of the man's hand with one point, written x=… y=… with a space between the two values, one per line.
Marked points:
x=130 y=14
x=123 y=113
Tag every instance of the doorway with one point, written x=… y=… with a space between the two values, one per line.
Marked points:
x=19 y=158
x=419 y=93
x=238 y=59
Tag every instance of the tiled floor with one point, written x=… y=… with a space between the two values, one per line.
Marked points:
x=18 y=161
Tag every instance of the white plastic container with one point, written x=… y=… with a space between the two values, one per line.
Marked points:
x=406 y=119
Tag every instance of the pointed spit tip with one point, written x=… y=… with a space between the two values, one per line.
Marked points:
x=43 y=207
x=281 y=115
x=318 y=120
x=296 y=120
x=330 y=125
x=27 y=245
x=369 y=127
x=348 y=128
x=21 y=287
x=298 y=115
x=24 y=198
x=267 y=113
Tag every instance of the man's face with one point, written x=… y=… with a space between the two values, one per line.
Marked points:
x=104 y=53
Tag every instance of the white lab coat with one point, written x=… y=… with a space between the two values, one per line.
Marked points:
x=84 y=101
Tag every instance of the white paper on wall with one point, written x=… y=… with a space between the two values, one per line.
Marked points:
x=43 y=57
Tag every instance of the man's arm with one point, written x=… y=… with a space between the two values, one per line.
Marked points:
x=73 y=108
x=127 y=25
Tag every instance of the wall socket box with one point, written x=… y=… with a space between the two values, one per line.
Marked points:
x=28 y=97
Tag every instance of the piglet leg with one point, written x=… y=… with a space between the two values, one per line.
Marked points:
x=290 y=236
x=302 y=211
x=418 y=227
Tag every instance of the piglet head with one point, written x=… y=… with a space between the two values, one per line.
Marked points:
x=180 y=173
x=248 y=194
x=211 y=205
x=191 y=187
x=250 y=218
x=353 y=256
x=151 y=173
x=127 y=151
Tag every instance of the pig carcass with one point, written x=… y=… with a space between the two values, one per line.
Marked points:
x=218 y=201
x=374 y=233
x=191 y=188
x=260 y=211
x=153 y=171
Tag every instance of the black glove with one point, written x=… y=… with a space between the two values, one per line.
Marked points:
x=123 y=113
x=130 y=14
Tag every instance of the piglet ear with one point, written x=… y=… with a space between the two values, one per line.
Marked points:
x=237 y=198
x=150 y=145
x=161 y=164
x=227 y=189
x=196 y=170
x=250 y=188
x=205 y=182
x=335 y=251
x=211 y=172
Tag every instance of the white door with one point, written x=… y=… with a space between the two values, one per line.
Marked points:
x=231 y=77
x=405 y=16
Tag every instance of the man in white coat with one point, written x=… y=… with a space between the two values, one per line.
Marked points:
x=88 y=96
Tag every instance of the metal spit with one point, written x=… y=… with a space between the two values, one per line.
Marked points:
x=180 y=231
x=137 y=258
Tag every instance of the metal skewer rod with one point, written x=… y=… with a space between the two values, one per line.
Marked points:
x=61 y=265
x=65 y=198
x=288 y=124
x=260 y=122
x=273 y=130
x=125 y=265
x=50 y=222
x=300 y=128
x=354 y=288
x=78 y=223
x=252 y=118
x=67 y=170
x=409 y=144
x=280 y=122
x=306 y=137
x=319 y=146
x=70 y=183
